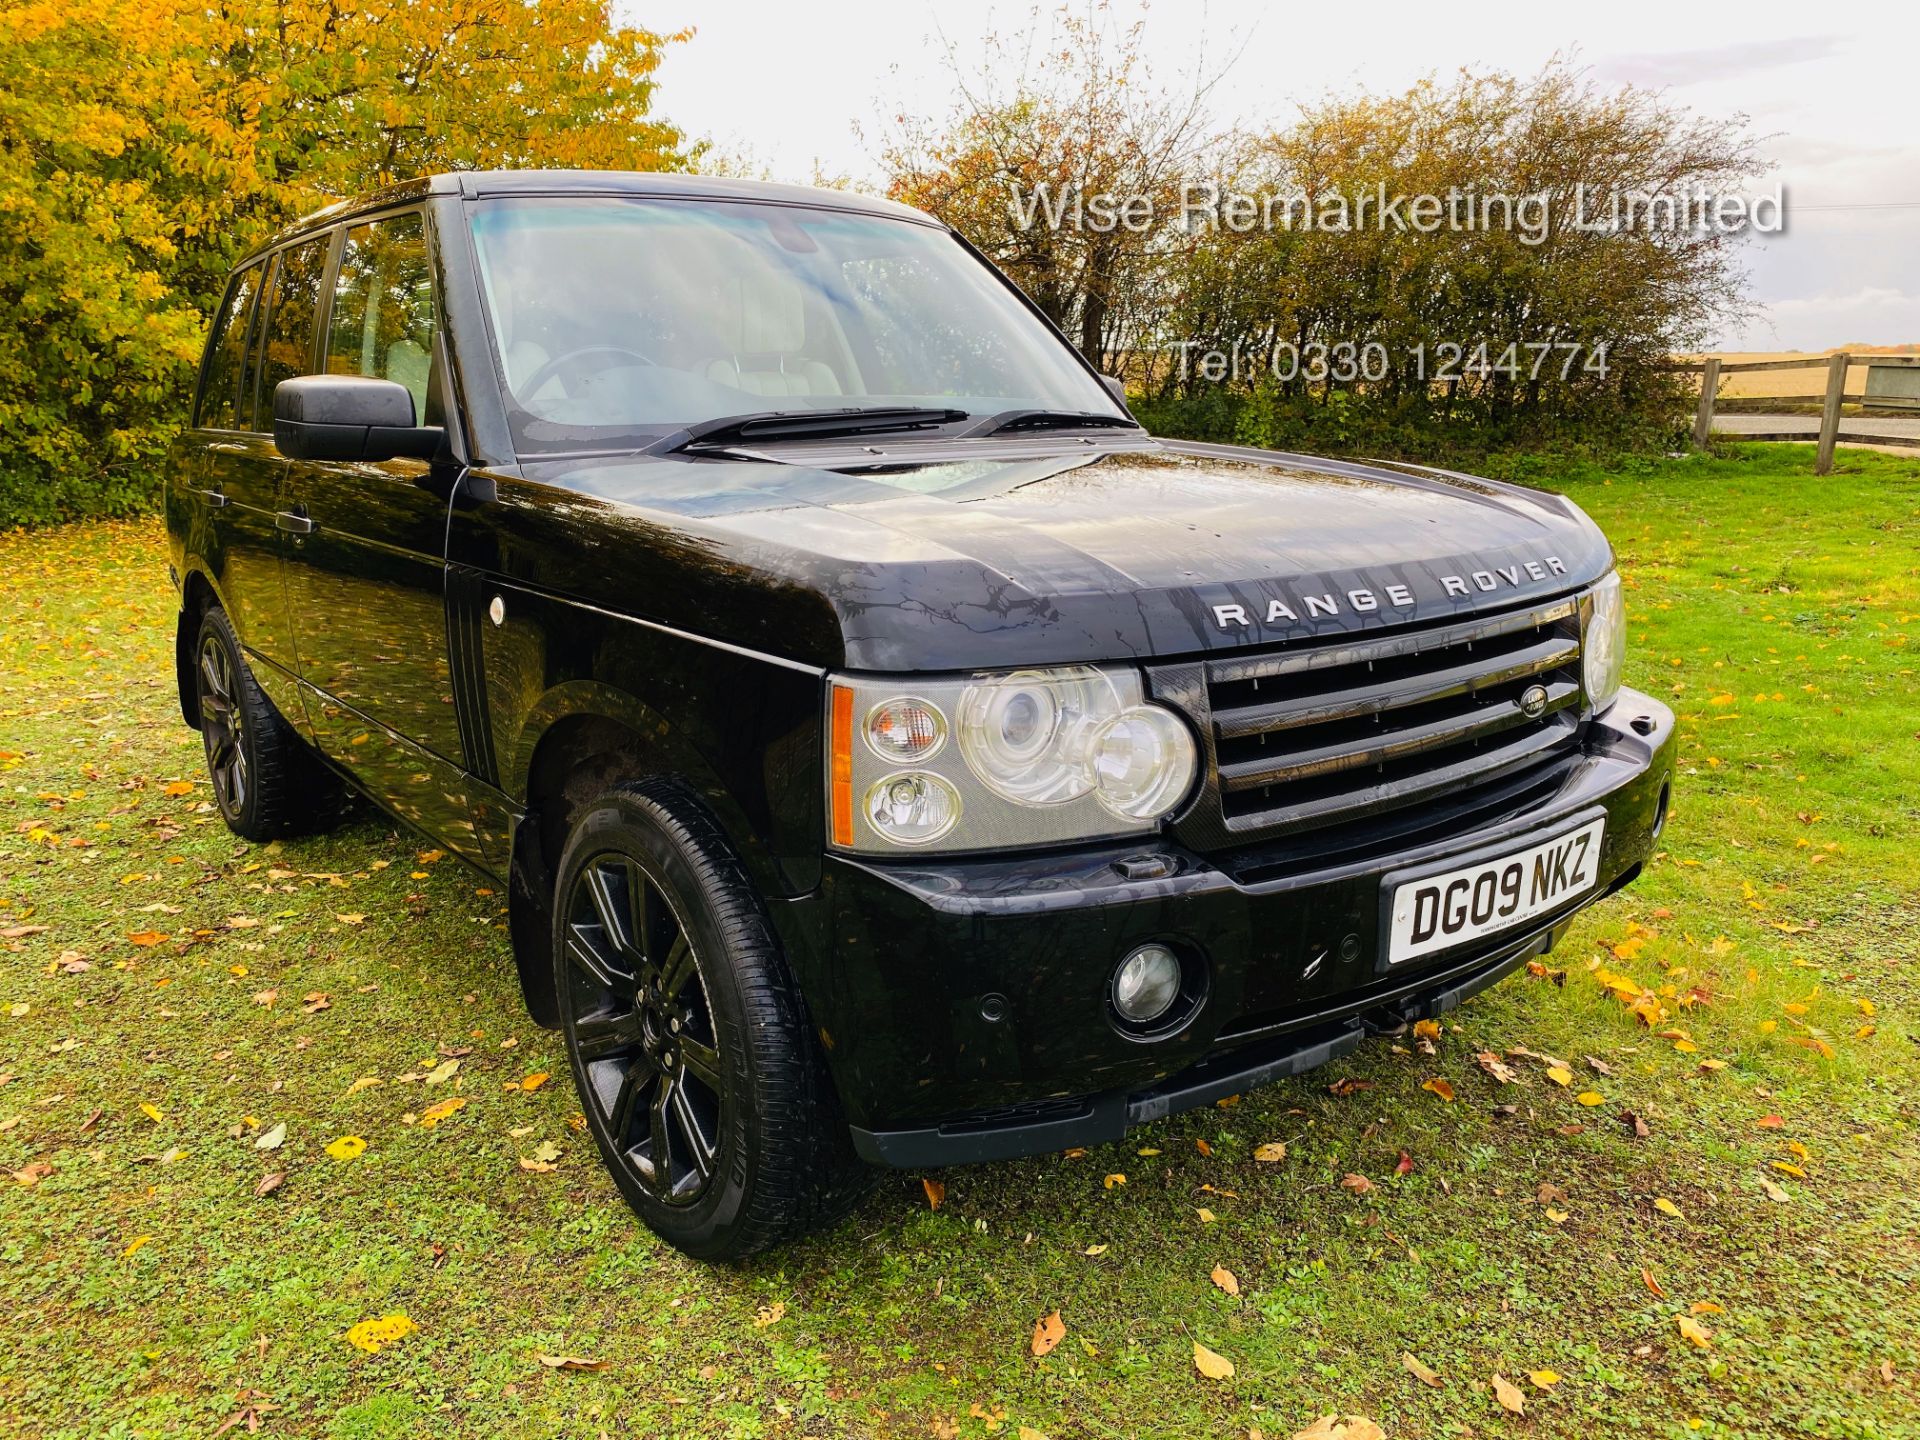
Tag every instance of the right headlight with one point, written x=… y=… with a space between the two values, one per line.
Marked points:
x=1604 y=645
x=1041 y=757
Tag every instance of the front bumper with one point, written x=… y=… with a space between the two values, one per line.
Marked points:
x=963 y=1004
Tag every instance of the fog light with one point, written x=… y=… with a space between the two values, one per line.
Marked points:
x=1146 y=984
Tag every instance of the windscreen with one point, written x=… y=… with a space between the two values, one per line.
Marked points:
x=622 y=320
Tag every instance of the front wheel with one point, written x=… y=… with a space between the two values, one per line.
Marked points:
x=686 y=1035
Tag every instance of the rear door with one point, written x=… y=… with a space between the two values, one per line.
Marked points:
x=236 y=481
x=369 y=593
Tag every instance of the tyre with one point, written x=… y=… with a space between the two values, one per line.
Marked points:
x=266 y=780
x=686 y=1035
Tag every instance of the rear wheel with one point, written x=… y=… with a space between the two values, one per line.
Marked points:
x=266 y=781
x=687 y=1039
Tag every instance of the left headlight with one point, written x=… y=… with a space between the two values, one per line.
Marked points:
x=1604 y=646
x=1040 y=757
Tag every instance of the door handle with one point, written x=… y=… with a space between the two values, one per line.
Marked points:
x=213 y=498
x=292 y=523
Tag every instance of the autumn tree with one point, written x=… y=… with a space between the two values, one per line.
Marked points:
x=1062 y=119
x=146 y=143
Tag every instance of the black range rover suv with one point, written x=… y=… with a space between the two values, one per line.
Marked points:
x=892 y=753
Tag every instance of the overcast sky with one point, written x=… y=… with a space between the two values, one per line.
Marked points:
x=785 y=85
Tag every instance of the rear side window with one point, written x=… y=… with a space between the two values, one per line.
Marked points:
x=226 y=355
x=290 y=319
x=383 y=312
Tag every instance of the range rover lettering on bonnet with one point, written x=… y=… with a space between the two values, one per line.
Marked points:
x=1304 y=607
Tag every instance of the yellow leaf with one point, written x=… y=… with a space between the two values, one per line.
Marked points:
x=1545 y=1379
x=1590 y=1098
x=1426 y=1029
x=1696 y=1334
x=1439 y=1087
x=1027 y=1432
x=134 y=1244
x=352 y=919
x=1559 y=1075
x=177 y=788
x=1271 y=1151
x=1048 y=1331
x=535 y=1080
x=347 y=1147
x=1210 y=1364
x=145 y=937
x=1094 y=1250
x=152 y=1112
x=440 y=1110
x=370 y=1335
x=1558 y=1217
x=935 y=1191
x=1509 y=1396
x=1794 y=1147
x=1206 y=1215
x=1786 y=1168
x=1667 y=1207
x=769 y=1315
x=1226 y=1279
x=1420 y=1371
x=1706 y=1307
x=1113 y=1180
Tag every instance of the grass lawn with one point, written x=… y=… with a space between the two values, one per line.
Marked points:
x=174 y=1001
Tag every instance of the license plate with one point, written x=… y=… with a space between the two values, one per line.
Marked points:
x=1440 y=911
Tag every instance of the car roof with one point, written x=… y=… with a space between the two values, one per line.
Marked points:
x=477 y=184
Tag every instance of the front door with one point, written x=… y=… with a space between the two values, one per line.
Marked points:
x=368 y=588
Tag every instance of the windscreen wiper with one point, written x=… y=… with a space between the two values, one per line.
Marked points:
x=729 y=431
x=1009 y=420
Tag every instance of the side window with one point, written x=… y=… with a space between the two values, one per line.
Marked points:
x=226 y=354
x=289 y=329
x=383 y=314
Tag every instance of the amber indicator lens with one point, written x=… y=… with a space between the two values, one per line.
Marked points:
x=841 y=775
x=905 y=728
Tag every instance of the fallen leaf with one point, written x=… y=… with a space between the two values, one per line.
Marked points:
x=1348 y=1086
x=1113 y=1180
x=1225 y=1279
x=152 y=1112
x=176 y=788
x=442 y=1072
x=1502 y=1072
x=1509 y=1395
x=1590 y=1098
x=146 y=937
x=1211 y=1364
x=1206 y=1215
x=1696 y=1334
x=1048 y=1331
x=1405 y=1164
x=570 y=1362
x=1439 y=1087
x=1359 y=1184
x=1652 y=1284
x=1203 y=1147
x=769 y=1315
x=270 y=1183
x=543 y=1160
x=1271 y=1151
x=1706 y=1307
x=134 y=1244
x=1776 y=1193
x=33 y=1172
x=1558 y=1217
x=351 y=919
x=1426 y=1029
x=1770 y=1122
x=1560 y=1075
x=370 y=1335
x=347 y=1147
x=935 y=1190
x=1094 y=1250
x=1667 y=1207
x=265 y=997
x=272 y=1139
x=535 y=1080
x=314 y=1001
x=1420 y=1371
x=1631 y=1119
x=1545 y=1379
x=441 y=1109
x=1339 y=1427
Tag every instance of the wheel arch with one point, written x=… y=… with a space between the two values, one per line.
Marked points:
x=197 y=594
x=581 y=739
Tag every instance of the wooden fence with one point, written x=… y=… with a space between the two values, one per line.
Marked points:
x=1830 y=400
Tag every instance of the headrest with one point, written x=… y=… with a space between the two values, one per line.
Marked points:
x=763 y=313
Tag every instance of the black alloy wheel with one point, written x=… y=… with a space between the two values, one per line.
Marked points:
x=267 y=781
x=642 y=1026
x=703 y=1086
x=223 y=725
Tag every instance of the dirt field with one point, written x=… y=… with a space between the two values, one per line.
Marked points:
x=1767 y=384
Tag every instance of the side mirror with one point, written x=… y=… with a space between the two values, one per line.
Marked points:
x=349 y=417
x=1117 y=388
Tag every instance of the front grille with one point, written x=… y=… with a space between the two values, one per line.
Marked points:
x=1318 y=734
